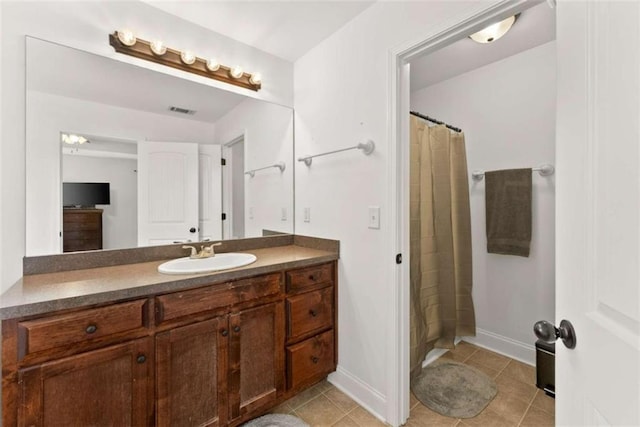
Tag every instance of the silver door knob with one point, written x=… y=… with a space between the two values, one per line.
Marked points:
x=547 y=332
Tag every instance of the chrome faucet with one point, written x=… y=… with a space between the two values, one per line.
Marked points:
x=205 y=251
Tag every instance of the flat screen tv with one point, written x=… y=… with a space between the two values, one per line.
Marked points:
x=85 y=194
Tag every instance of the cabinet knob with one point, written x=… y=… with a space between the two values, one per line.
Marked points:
x=224 y=332
x=313 y=313
x=314 y=359
x=312 y=277
x=236 y=329
x=141 y=358
x=91 y=329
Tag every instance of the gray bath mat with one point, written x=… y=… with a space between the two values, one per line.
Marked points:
x=276 y=420
x=454 y=389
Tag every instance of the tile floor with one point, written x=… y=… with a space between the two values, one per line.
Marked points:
x=518 y=402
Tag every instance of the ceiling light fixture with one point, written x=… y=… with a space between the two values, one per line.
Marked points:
x=73 y=139
x=126 y=43
x=493 y=32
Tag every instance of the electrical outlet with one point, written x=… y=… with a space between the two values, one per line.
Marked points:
x=284 y=214
x=307 y=214
x=251 y=212
x=374 y=217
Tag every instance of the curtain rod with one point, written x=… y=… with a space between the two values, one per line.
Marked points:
x=431 y=119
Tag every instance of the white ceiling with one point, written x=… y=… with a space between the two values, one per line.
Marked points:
x=287 y=29
x=534 y=26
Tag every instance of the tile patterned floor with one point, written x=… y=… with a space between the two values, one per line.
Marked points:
x=518 y=402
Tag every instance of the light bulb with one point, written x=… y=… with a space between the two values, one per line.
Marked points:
x=236 y=72
x=493 y=32
x=158 y=47
x=126 y=37
x=65 y=138
x=187 y=57
x=82 y=140
x=213 y=65
x=256 y=78
x=73 y=139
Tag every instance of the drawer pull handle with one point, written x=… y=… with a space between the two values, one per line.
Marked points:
x=224 y=332
x=314 y=359
x=141 y=358
x=313 y=313
x=236 y=329
x=91 y=329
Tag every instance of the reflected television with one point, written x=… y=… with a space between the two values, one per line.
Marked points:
x=85 y=194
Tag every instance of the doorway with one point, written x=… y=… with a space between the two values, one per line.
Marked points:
x=403 y=62
x=233 y=178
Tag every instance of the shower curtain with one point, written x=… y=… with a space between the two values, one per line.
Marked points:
x=440 y=230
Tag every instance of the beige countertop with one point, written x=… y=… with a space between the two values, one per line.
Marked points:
x=42 y=293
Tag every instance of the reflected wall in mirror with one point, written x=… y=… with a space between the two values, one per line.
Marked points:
x=163 y=167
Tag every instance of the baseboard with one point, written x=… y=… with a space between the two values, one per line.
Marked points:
x=367 y=397
x=525 y=353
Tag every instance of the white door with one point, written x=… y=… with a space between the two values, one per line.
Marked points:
x=210 y=192
x=598 y=212
x=167 y=193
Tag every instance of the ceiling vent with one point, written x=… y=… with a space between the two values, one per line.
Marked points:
x=182 y=110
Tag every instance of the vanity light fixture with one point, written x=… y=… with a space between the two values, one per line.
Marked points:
x=236 y=72
x=213 y=65
x=494 y=32
x=124 y=41
x=158 y=47
x=187 y=57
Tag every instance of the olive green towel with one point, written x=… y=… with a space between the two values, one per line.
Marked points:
x=508 y=207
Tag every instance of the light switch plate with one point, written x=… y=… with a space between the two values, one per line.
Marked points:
x=374 y=217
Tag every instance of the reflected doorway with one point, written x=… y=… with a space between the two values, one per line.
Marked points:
x=233 y=189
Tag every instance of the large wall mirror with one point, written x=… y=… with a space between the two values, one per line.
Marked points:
x=159 y=158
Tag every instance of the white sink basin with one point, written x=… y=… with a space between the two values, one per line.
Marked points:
x=202 y=265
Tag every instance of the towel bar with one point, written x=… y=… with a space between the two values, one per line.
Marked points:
x=544 y=170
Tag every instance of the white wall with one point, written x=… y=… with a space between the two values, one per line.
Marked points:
x=47 y=116
x=120 y=217
x=268 y=136
x=341 y=98
x=507 y=112
x=86 y=25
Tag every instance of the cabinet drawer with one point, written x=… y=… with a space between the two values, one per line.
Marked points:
x=179 y=304
x=309 y=360
x=307 y=277
x=309 y=311
x=67 y=329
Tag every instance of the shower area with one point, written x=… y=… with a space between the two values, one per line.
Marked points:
x=477 y=109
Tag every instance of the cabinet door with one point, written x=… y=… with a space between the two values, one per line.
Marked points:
x=190 y=377
x=256 y=358
x=107 y=387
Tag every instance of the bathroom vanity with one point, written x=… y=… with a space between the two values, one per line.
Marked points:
x=126 y=345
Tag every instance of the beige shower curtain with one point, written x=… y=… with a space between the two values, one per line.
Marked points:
x=440 y=229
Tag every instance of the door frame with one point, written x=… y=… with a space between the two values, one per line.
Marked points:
x=398 y=199
x=227 y=188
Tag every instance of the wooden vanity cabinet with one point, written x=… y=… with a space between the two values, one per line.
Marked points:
x=218 y=355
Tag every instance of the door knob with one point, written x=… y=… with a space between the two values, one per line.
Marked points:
x=547 y=332
x=192 y=230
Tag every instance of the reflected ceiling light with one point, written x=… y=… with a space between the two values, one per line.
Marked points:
x=236 y=72
x=188 y=57
x=255 y=78
x=157 y=51
x=493 y=32
x=213 y=65
x=126 y=37
x=73 y=139
x=158 y=47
